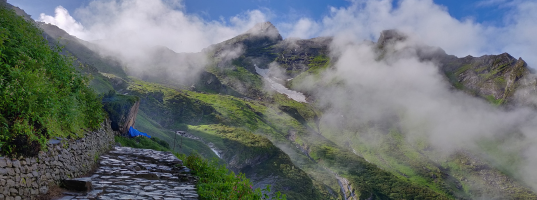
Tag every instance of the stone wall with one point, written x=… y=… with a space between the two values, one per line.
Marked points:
x=27 y=178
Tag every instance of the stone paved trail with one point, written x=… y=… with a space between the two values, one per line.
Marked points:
x=129 y=173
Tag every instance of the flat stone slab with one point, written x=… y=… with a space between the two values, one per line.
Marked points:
x=130 y=173
x=77 y=184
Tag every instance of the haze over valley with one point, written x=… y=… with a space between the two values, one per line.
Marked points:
x=374 y=99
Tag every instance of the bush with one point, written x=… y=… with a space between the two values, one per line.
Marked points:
x=217 y=182
x=41 y=94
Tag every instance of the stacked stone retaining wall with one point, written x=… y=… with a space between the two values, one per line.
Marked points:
x=28 y=178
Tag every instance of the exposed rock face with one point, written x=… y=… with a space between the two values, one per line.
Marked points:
x=129 y=120
x=494 y=77
x=295 y=55
x=30 y=177
x=122 y=110
x=390 y=36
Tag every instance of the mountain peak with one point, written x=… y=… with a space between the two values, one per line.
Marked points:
x=265 y=29
x=390 y=36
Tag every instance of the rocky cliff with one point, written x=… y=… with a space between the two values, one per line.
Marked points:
x=496 y=78
x=122 y=110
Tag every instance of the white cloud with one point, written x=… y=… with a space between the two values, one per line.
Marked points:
x=139 y=22
x=63 y=20
x=133 y=30
x=432 y=24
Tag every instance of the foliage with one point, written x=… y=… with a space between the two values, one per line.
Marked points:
x=171 y=108
x=317 y=66
x=217 y=182
x=41 y=94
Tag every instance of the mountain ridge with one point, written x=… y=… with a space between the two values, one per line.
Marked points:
x=290 y=123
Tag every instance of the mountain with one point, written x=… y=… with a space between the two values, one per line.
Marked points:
x=496 y=78
x=230 y=115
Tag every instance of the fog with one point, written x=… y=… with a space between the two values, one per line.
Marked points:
x=141 y=34
x=403 y=93
x=401 y=90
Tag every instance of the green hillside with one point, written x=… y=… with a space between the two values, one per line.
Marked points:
x=42 y=95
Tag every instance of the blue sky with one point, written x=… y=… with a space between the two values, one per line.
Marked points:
x=282 y=10
x=461 y=28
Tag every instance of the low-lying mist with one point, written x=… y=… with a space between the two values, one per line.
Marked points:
x=145 y=35
x=372 y=97
x=361 y=93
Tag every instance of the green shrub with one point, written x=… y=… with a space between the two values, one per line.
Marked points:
x=217 y=182
x=41 y=93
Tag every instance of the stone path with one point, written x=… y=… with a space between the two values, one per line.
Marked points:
x=129 y=173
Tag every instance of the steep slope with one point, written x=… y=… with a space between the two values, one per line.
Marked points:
x=468 y=174
x=228 y=105
x=496 y=78
x=325 y=161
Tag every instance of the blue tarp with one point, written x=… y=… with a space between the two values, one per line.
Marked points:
x=134 y=133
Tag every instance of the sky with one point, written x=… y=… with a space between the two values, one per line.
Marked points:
x=400 y=84
x=479 y=10
x=461 y=28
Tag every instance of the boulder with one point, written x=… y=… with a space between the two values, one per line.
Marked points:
x=122 y=111
x=77 y=184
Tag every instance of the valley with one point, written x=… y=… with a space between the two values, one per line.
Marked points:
x=391 y=119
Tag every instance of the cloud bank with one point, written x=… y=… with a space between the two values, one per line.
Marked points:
x=401 y=90
x=432 y=24
x=141 y=34
x=165 y=23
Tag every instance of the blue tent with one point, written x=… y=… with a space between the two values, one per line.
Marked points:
x=134 y=133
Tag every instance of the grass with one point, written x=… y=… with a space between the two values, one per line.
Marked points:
x=274 y=123
x=492 y=100
x=317 y=65
x=244 y=117
x=256 y=156
x=215 y=180
x=41 y=94
x=462 y=69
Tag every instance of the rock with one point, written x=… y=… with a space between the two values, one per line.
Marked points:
x=148 y=176
x=390 y=36
x=3 y=162
x=122 y=110
x=185 y=170
x=10 y=183
x=13 y=191
x=78 y=184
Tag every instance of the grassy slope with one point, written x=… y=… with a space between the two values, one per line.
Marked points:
x=219 y=109
x=453 y=176
x=276 y=124
x=182 y=145
x=317 y=65
x=41 y=95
